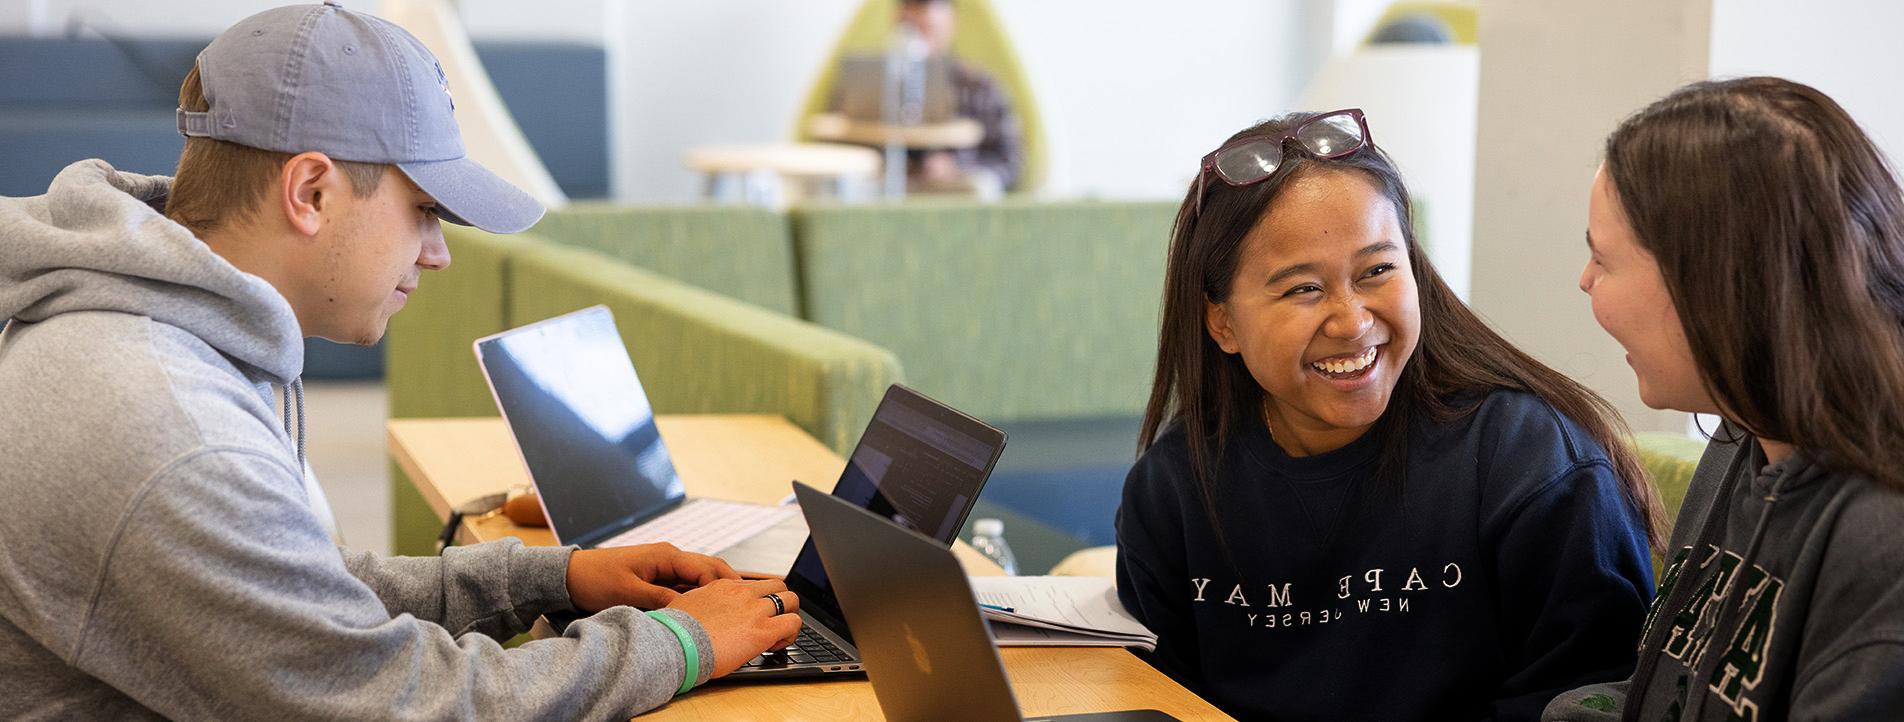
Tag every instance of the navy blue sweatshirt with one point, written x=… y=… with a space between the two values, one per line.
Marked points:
x=1504 y=567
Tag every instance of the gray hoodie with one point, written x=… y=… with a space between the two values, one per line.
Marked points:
x=159 y=554
x=1783 y=598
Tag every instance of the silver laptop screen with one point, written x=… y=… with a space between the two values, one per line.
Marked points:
x=570 y=395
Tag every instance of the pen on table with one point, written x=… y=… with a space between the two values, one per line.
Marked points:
x=996 y=608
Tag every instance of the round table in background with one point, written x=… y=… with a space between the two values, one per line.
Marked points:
x=775 y=174
x=896 y=140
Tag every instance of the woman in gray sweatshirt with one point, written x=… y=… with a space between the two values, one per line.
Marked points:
x=1747 y=247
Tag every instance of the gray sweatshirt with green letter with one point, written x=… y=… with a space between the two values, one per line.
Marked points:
x=159 y=554
x=1782 y=598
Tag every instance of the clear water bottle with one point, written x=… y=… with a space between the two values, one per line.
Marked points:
x=988 y=537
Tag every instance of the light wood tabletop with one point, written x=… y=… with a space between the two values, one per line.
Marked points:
x=954 y=133
x=754 y=458
x=787 y=159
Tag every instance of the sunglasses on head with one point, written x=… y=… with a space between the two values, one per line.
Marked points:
x=1248 y=161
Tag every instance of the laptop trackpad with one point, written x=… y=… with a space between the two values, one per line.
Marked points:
x=770 y=552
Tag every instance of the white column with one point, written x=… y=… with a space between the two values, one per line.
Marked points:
x=1556 y=77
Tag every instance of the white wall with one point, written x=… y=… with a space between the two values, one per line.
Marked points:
x=1847 y=48
x=543 y=19
x=1134 y=102
x=1420 y=105
x=1133 y=91
x=1556 y=77
x=711 y=72
x=1351 y=21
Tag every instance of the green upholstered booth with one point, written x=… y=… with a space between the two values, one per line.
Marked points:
x=1014 y=310
x=740 y=252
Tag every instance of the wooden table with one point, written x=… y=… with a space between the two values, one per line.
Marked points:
x=951 y=134
x=752 y=458
x=895 y=140
x=798 y=169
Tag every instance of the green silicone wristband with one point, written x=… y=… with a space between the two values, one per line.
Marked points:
x=691 y=656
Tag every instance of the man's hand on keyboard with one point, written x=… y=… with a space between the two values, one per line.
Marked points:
x=644 y=576
x=741 y=621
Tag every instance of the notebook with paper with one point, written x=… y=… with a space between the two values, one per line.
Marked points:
x=1059 y=612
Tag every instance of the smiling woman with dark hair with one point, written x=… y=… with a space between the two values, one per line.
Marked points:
x=1355 y=500
x=1747 y=249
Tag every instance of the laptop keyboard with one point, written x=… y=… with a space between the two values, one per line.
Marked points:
x=706 y=526
x=809 y=648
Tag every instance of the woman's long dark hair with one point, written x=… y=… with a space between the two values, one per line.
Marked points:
x=1208 y=391
x=1779 y=230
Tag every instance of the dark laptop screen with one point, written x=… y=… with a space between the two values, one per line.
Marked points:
x=921 y=464
x=571 y=398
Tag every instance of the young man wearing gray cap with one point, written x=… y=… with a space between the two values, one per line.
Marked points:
x=161 y=553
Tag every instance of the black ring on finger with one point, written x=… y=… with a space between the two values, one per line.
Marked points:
x=779 y=607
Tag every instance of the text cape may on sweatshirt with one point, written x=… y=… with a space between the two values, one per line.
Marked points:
x=1506 y=567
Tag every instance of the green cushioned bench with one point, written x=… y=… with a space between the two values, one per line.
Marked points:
x=1008 y=311
x=1021 y=310
x=740 y=252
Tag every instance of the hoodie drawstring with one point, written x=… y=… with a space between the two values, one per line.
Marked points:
x=294 y=391
x=297 y=388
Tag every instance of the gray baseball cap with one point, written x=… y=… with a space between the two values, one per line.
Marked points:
x=353 y=87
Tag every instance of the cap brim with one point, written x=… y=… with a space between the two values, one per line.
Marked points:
x=468 y=194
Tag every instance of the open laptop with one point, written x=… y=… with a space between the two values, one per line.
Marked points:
x=569 y=395
x=863 y=87
x=920 y=464
x=923 y=641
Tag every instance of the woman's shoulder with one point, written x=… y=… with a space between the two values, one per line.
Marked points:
x=1522 y=424
x=1858 y=600
x=1519 y=448
x=1164 y=470
x=1167 y=455
x=1868 y=514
